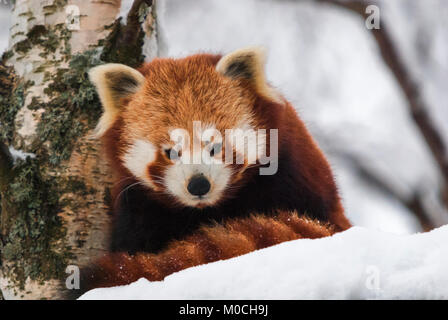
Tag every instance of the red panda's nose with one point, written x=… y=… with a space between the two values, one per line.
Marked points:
x=198 y=185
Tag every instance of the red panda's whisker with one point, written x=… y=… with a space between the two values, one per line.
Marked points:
x=161 y=182
x=123 y=179
x=126 y=189
x=157 y=177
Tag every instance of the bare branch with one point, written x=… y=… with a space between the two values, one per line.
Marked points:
x=413 y=203
x=131 y=32
x=125 y=43
x=417 y=106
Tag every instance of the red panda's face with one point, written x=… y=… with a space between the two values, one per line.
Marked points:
x=180 y=122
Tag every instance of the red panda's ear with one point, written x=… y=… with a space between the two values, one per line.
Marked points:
x=247 y=63
x=114 y=82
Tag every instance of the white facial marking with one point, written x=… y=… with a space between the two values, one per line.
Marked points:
x=179 y=174
x=137 y=158
x=196 y=159
x=250 y=144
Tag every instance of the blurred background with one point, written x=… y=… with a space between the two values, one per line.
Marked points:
x=387 y=161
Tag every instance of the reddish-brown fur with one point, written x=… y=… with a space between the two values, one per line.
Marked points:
x=233 y=238
x=299 y=201
x=168 y=102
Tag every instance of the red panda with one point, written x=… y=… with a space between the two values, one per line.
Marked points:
x=170 y=213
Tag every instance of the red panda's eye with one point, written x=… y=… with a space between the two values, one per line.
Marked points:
x=168 y=153
x=215 y=149
x=173 y=154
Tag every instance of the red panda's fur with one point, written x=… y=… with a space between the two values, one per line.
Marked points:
x=221 y=241
x=152 y=234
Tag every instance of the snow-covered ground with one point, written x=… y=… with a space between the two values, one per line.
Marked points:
x=356 y=264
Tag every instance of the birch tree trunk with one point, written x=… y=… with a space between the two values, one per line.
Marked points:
x=55 y=192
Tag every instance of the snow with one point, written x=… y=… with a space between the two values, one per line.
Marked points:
x=19 y=154
x=124 y=10
x=356 y=264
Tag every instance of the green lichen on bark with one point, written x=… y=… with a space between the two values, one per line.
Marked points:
x=50 y=9
x=33 y=234
x=33 y=246
x=33 y=240
x=47 y=38
x=11 y=100
x=73 y=109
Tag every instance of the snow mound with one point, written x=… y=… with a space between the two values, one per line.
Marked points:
x=356 y=264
